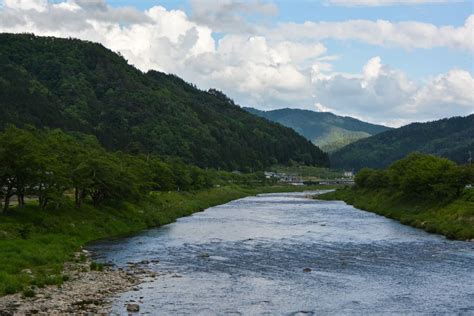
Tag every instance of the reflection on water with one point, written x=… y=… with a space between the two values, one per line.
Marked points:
x=248 y=257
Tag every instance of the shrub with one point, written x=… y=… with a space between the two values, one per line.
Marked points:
x=29 y=293
x=95 y=266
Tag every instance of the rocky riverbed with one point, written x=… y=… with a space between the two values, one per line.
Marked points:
x=284 y=254
x=87 y=291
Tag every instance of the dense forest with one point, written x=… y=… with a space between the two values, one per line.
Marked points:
x=83 y=87
x=326 y=130
x=451 y=138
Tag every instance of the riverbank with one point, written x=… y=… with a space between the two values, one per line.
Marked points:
x=35 y=244
x=455 y=219
x=87 y=290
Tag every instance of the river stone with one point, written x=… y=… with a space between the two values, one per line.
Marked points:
x=133 y=308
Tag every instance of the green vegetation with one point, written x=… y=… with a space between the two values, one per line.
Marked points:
x=83 y=87
x=420 y=190
x=96 y=266
x=450 y=138
x=91 y=147
x=48 y=165
x=326 y=130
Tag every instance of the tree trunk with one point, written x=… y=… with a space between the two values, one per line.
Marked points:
x=21 y=198
x=78 y=197
x=44 y=203
x=6 y=201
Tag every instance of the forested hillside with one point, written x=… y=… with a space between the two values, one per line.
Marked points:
x=326 y=130
x=451 y=138
x=82 y=86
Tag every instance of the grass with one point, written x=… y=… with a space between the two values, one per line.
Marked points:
x=34 y=244
x=95 y=266
x=454 y=219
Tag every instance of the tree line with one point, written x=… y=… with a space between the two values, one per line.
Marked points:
x=51 y=166
x=419 y=176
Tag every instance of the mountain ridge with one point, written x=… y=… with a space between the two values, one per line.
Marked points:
x=327 y=130
x=84 y=87
x=451 y=138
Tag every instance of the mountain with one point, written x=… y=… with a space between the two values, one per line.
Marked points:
x=326 y=130
x=452 y=138
x=82 y=86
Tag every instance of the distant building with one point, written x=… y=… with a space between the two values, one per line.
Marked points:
x=270 y=175
x=284 y=178
x=348 y=174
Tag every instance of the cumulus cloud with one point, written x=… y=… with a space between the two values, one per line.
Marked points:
x=376 y=3
x=260 y=66
x=382 y=94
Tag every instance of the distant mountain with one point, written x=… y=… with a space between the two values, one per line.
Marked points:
x=451 y=138
x=326 y=130
x=82 y=86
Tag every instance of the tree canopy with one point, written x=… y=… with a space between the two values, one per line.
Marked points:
x=420 y=177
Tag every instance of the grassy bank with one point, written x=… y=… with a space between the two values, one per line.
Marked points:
x=41 y=241
x=455 y=219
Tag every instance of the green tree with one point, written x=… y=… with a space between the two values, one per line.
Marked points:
x=19 y=162
x=162 y=175
x=426 y=176
x=362 y=176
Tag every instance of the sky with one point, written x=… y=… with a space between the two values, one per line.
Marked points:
x=389 y=62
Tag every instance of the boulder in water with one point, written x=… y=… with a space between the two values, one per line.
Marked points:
x=133 y=308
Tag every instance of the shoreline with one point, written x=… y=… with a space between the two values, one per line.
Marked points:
x=453 y=220
x=86 y=290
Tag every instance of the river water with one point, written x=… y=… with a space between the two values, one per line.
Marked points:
x=248 y=257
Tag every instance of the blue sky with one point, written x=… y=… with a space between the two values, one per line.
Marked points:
x=419 y=63
x=383 y=61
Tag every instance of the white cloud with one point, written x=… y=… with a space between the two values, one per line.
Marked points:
x=382 y=94
x=452 y=93
x=263 y=67
x=229 y=15
x=408 y=34
x=255 y=71
x=38 y=5
x=376 y=3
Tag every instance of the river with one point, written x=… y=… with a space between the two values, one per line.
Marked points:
x=284 y=254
